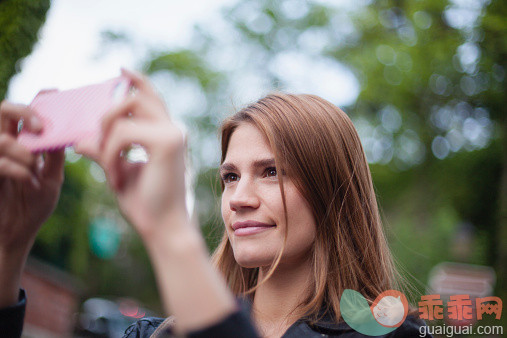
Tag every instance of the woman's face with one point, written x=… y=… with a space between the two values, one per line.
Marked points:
x=252 y=206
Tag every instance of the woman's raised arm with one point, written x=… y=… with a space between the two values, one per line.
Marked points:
x=152 y=197
x=29 y=191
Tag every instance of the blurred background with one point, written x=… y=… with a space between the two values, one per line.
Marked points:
x=423 y=81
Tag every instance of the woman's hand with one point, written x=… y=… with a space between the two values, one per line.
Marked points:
x=29 y=185
x=29 y=191
x=148 y=193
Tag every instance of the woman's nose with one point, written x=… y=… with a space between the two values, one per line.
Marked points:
x=244 y=196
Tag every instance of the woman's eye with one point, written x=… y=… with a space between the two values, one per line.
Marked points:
x=271 y=172
x=230 y=177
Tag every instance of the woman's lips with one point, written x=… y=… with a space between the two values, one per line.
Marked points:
x=250 y=227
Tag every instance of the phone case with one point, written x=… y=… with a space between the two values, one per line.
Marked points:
x=70 y=116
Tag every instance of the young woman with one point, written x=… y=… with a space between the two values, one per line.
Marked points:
x=301 y=222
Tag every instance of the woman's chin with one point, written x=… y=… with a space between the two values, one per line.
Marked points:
x=252 y=261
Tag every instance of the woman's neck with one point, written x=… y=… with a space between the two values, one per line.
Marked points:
x=275 y=300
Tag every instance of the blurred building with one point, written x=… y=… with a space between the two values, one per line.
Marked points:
x=52 y=300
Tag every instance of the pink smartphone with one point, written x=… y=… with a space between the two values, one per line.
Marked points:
x=70 y=116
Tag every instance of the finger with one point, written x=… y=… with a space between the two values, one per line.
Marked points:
x=122 y=110
x=11 y=113
x=125 y=170
x=16 y=152
x=157 y=139
x=53 y=165
x=139 y=81
x=117 y=141
x=132 y=108
x=12 y=169
x=89 y=148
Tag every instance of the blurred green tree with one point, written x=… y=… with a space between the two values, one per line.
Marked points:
x=20 y=21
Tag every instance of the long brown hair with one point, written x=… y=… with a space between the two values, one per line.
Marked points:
x=317 y=146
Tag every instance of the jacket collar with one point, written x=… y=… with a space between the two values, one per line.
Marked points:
x=326 y=323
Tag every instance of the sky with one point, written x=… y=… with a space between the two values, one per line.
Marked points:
x=71 y=52
x=69 y=55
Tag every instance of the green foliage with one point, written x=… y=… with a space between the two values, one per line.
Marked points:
x=494 y=44
x=185 y=63
x=208 y=191
x=426 y=222
x=63 y=239
x=20 y=21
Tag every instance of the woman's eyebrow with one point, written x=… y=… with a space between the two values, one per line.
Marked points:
x=226 y=167
x=264 y=163
x=257 y=164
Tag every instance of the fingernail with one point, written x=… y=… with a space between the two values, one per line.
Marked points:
x=40 y=163
x=35 y=123
x=35 y=182
x=78 y=149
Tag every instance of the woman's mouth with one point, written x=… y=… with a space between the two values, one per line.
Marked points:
x=250 y=227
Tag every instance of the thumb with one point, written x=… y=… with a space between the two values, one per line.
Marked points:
x=89 y=148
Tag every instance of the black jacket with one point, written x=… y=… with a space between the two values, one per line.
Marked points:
x=239 y=324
